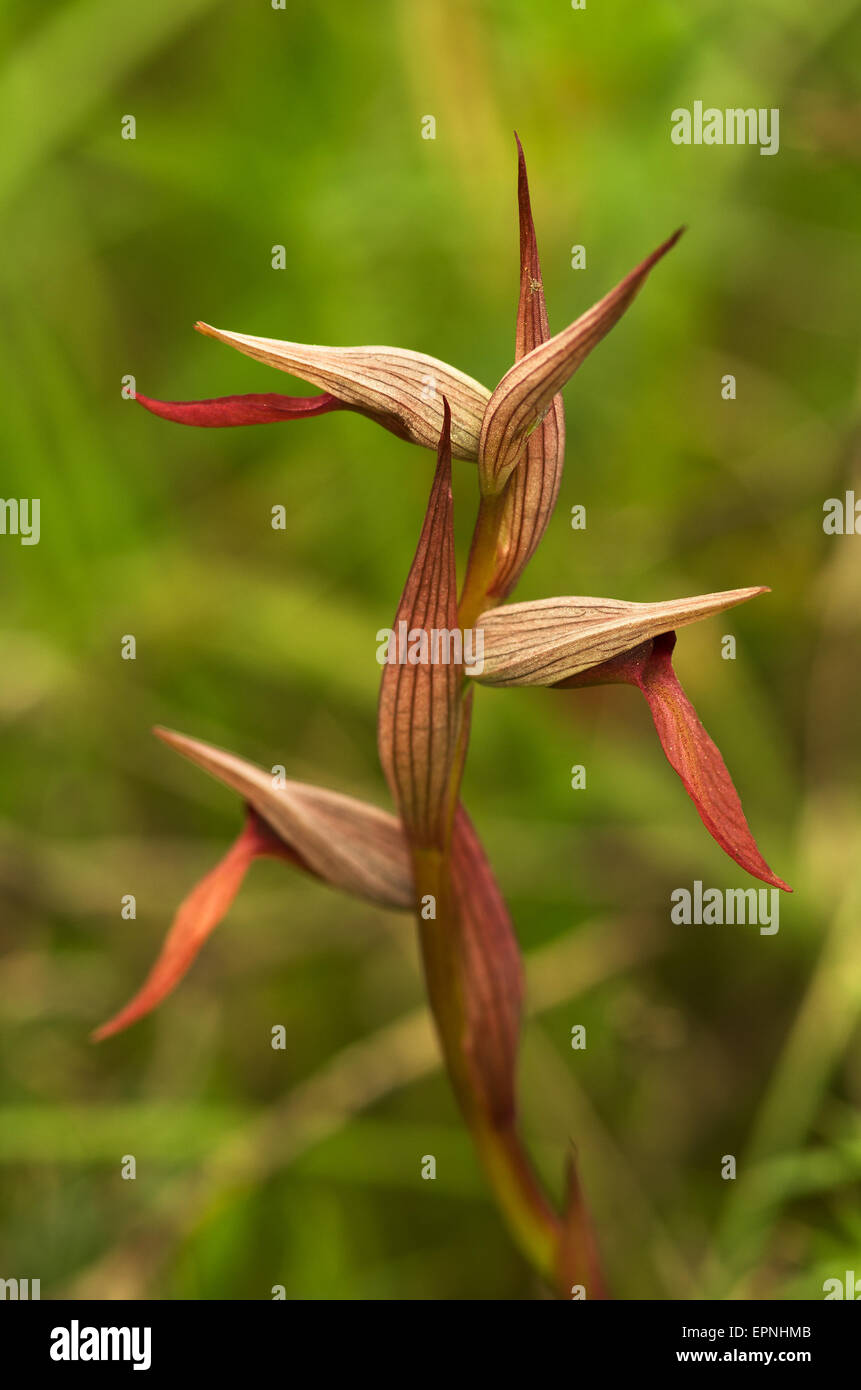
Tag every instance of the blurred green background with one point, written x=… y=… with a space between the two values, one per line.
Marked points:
x=258 y=127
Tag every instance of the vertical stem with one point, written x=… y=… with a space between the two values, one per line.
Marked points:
x=531 y=1219
x=481 y=566
x=535 y=1226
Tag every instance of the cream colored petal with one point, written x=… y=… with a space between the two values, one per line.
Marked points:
x=349 y=844
x=402 y=390
x=544 y=642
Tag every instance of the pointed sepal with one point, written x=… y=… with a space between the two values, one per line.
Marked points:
x=525 y=392
x=533 y=487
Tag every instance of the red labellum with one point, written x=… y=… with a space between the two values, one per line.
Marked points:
x=255 y=409
x=690 y=751
x=197 y=918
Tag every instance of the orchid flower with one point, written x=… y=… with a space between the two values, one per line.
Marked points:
x=427 y=858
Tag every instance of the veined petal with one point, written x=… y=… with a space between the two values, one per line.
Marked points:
x=690 y=751
x=419 y=710
x=552 y=639
x=197 y=918
x=347 y=843
x=399 y=389
x=533 y=487
x=223 y=411
x=492 y=973
x=525 y=392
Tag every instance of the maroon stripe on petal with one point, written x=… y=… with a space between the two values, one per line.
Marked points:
x=253 y=409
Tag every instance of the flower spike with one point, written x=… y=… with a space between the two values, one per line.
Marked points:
x=429 y=858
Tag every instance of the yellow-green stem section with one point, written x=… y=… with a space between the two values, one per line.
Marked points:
x=481 y=566
x=532 y=1221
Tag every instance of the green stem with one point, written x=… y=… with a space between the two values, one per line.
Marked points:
x=531 y=1219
